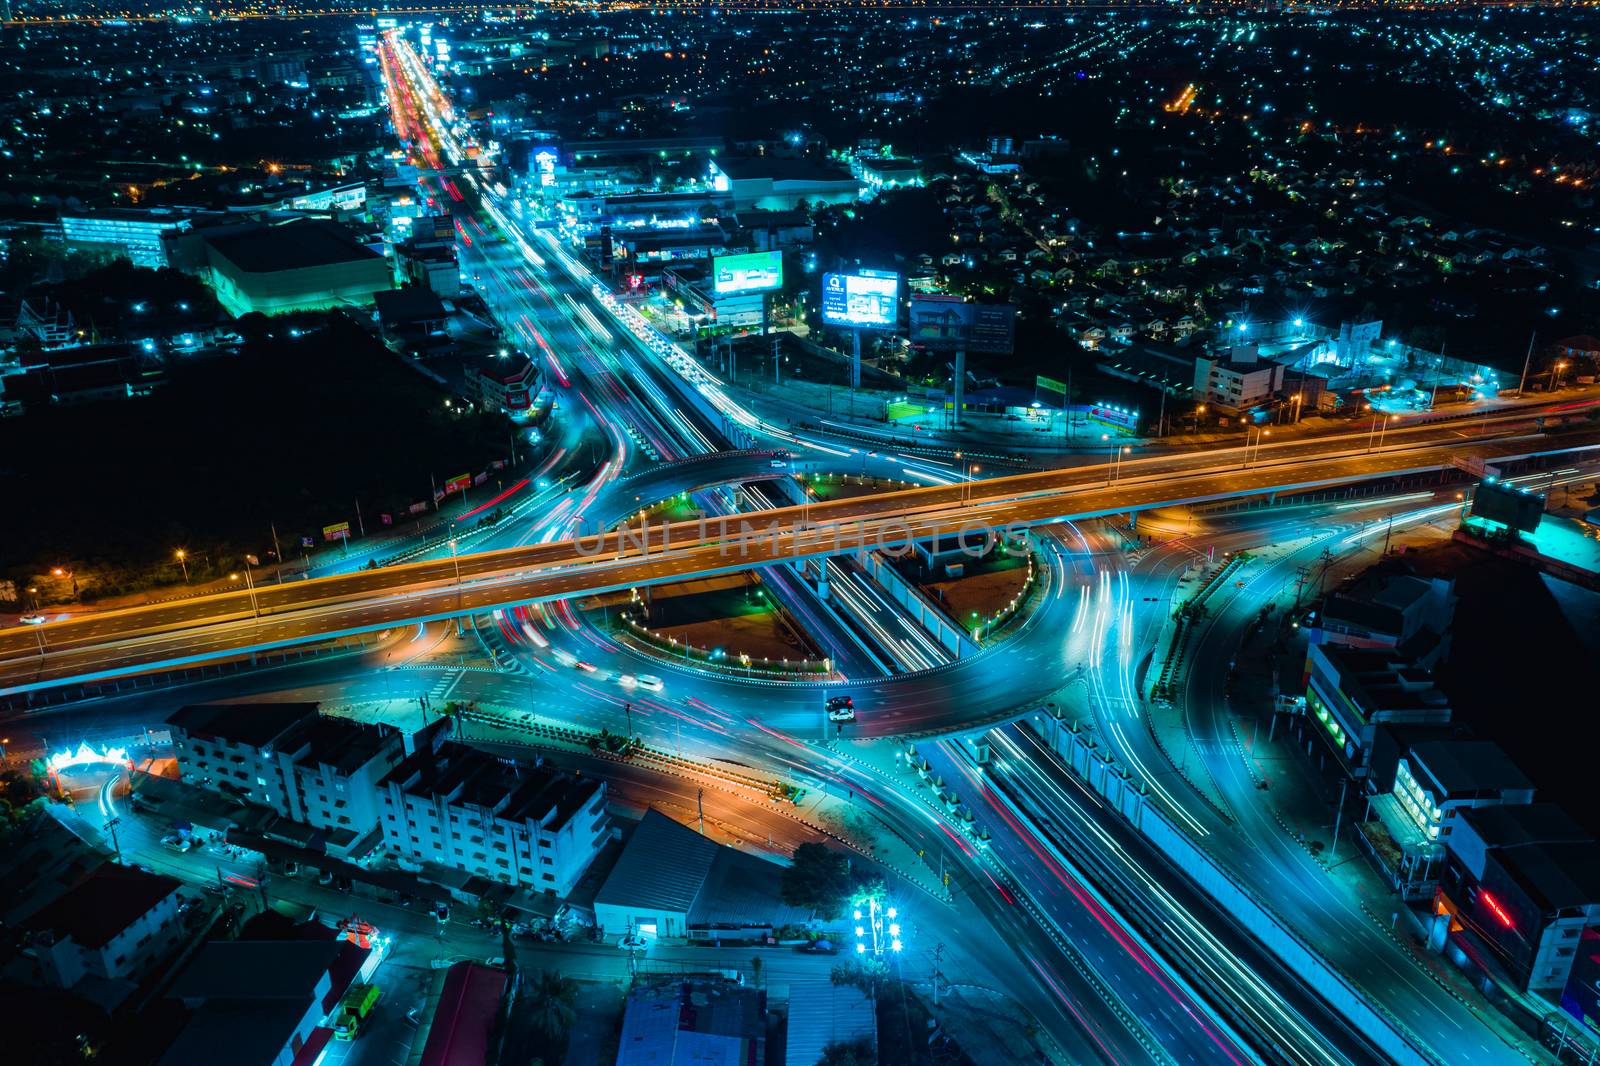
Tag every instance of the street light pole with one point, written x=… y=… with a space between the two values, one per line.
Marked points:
x=183 y=558
x=1261 y=432
x=455 y=561
x=250 y=583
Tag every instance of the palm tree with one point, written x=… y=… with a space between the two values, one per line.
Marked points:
x=552 y=1004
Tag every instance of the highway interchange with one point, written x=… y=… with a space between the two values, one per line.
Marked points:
x=1111 y=948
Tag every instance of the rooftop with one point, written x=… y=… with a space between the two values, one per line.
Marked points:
x=513 y=791
x=464 y=1018
x=707 y=1021
x=296 y=245
x=779 y=168
x=103 y=904
x=664 y=865
x=410 y=304
x=1511 y=824
x=1463 y=768
x=254 y=724
x=257 y=970
x=1557 y=876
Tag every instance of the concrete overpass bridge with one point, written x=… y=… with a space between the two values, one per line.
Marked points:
x=165 y=636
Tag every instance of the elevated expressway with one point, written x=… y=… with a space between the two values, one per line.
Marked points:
x=206 y=627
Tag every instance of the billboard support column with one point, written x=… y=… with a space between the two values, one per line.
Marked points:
x=766 y=311
x=961 y=381
x=855 y=362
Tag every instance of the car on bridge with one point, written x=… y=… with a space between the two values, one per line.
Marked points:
x=841 y=709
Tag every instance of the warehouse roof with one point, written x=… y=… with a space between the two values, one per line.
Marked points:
x=663 y=866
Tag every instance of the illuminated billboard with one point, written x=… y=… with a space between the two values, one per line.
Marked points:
x=1507 y=505
x=948 y=323
x=868 y=300
x=751 y=272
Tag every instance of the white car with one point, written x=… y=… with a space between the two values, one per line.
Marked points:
x=174 y=842
x=32 y=619
x=632 y=942
x=650 y=681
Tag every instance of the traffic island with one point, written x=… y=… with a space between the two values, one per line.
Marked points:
x=730 y=624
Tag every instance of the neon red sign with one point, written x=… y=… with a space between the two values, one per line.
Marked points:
x=1494 y=906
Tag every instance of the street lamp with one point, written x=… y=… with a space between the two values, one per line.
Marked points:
x=1261 y=432
x=1380 y=427
x=65 y=574
x=183 y=558
x=1199 y=409
x=1555 y=375
x=250 y=583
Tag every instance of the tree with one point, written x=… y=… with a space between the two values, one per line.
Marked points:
x=552 y=1004
x=857 y=1052
x=818 y=880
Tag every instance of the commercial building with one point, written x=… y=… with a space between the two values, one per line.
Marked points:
x=822 y=1013
x=521 y=824
x=889 y=172
x=462 y=1029
x=690 y=284
x=767 y=231
x=692 y=1020
x=1239 y=380
x=264 y=1001
x=301 y=265
x=505 y=383
x=1352 y=692
x=672 y=882
x=1435 y=781
x=779 y=183
x=318 y=770
x=134 y=234
x=414 y=321
x=111 y=925
x=1389 y=607
x=1522 y=887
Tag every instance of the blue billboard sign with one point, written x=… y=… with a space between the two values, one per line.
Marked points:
x=867 y=300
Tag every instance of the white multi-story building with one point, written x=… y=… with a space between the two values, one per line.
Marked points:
x=133 y=233
x=112 y=925
x=1238 y=380
x=311 y=768
x=521 y=824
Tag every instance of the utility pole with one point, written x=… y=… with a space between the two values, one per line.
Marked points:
x=277 y=549
x=1527 y=360
x=938 y=953
x=1338 y=815
x=111 y=827
x=700 y=805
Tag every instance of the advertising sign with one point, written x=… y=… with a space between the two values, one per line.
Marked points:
x=868 y=300
x=751 y=272
x=459 y=483
x=338 y=531
x=1044 y=384
x=1508 y=506
x=992 y=328
x=948 y=323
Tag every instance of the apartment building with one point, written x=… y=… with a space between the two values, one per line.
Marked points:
x=111 y=925
x=309 y=767
x=522 y=824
